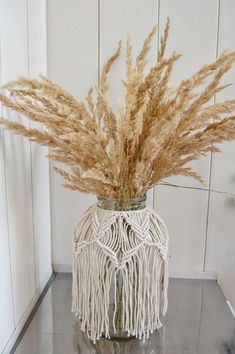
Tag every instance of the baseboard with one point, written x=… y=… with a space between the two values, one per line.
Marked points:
x=194 y=275
x=10 y=344
x=62 y=268
x=231 y=308
x=67 y=268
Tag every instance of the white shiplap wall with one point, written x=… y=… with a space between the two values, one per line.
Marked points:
x=25 y=252
x=220 y=243
x=73 y=63
x=81 y=35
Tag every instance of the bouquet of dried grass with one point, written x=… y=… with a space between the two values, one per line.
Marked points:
x=158 y=131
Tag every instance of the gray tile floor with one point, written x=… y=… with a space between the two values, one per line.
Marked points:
x=198 y=322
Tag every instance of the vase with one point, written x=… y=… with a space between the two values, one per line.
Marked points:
x=120 y=269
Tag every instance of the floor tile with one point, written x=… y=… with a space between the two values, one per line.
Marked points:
x=198 y=322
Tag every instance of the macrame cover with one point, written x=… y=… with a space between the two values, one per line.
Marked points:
x=133 y=244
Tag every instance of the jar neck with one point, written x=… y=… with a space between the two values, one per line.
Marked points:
x=137 y=203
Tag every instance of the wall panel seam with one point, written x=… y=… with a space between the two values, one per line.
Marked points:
x=158 y=20
x=98 y=44
x=49 y=161
x=211 y=154
x=5 y=181
x=31 y=165
x=158 y=36
x=48 y=149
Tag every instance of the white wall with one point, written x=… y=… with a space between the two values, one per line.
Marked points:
x=81 y=35
x=25 y=252
x=221 y=222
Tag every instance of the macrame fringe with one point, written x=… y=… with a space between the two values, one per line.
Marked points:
x=131 y=246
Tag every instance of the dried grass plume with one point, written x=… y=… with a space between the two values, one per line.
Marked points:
x=122 y=155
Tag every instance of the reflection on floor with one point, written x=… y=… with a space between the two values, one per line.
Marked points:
x=198 y=322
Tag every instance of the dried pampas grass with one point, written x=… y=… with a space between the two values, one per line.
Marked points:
x=122 y=155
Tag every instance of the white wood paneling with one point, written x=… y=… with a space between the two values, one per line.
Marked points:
x=118 y=20
x=6 y=298
x=194 y=35
x=184 y=212
x=221 y=243
x=73 y=63
x=221 y=227
x=223 y=166
x=73 y=44
x=37 y=37
x=17 y=161
x=37 y=48
x=24 y=206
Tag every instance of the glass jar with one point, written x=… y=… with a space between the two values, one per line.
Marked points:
x=137 y=203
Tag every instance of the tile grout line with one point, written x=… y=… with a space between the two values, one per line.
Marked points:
x=211 y=154
x=200 y=319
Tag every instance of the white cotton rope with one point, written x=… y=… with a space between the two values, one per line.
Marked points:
x=130 y=244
